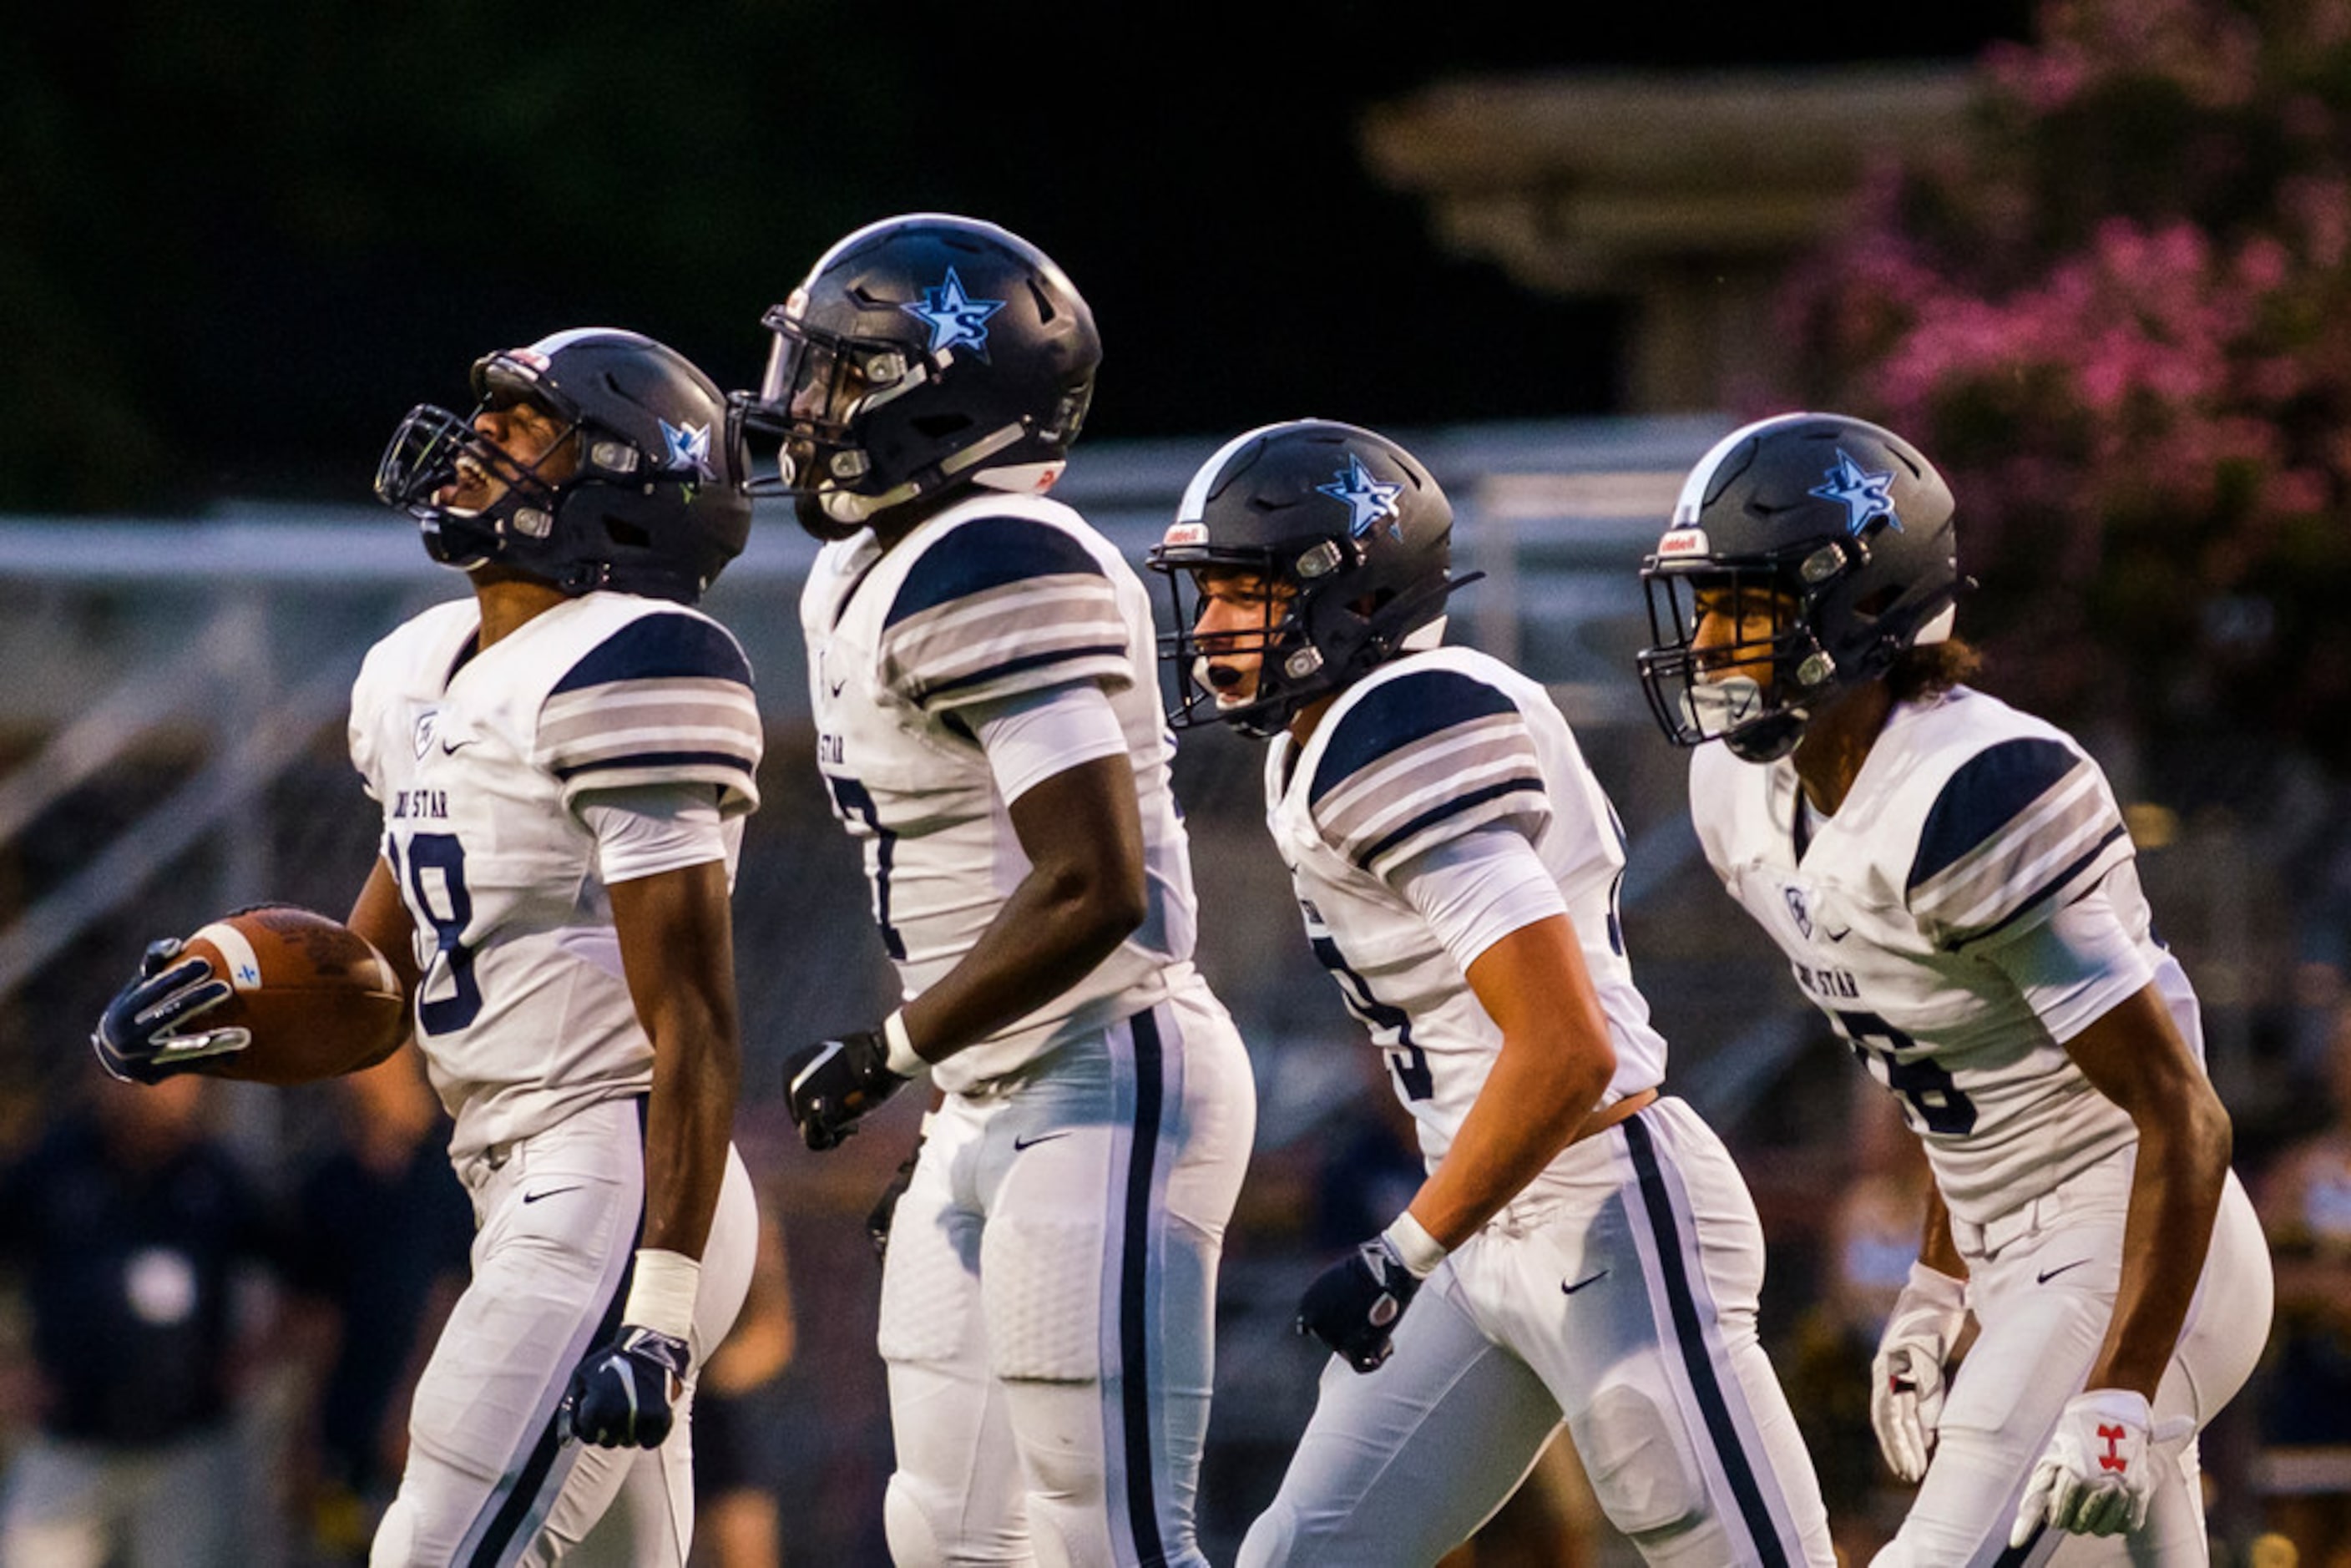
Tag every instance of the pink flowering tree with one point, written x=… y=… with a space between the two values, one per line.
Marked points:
x=2119 y=316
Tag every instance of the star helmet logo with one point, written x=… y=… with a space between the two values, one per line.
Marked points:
x=689 y=447
x=1368 y=499
x=955 y=320
x=1865 y=496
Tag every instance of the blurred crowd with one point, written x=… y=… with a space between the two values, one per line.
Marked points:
x=205 y=1355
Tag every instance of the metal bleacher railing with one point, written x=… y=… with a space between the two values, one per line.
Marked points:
x=170 y=726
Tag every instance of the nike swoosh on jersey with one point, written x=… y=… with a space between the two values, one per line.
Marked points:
x=2048 y=1274
x=1020 y=1143
x=550 y=1192
x=450 y=747
x=1567 y=1290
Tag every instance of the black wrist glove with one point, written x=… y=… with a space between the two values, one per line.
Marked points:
x=138 y=1038
x=831 y=1083
x=620 y=1393
x=877 y=1224
x=1353 y=1305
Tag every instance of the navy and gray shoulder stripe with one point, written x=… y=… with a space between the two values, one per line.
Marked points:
x=998 y=606
x=667 y=697
x=1420 y=758
x=2017 y=828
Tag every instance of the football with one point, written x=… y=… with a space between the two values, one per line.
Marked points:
x=319 y=998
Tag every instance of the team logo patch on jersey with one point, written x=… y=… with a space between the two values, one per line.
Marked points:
x=1865 y=497
x=1798 y=913
x=1368 y=499
x=426 y=723
x=689 y=447
x=955 y=320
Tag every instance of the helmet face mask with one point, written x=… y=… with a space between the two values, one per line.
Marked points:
x=1340 y=540
x=640 y=490
x=1752 y=689
x=922 y=354
x=1805 y=553
x=431 y=453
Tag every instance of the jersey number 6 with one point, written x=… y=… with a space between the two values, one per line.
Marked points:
x=1925 y=1084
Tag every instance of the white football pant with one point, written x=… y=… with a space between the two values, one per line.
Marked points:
x=557 y=1217
x=1617 y=1293
x=1048 y=1301
x=2040 y=1285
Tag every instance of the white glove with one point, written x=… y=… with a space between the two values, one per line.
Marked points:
x=2097 y=1475
x=1905 y=1393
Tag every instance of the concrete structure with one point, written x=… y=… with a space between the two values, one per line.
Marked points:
x=1685 y=195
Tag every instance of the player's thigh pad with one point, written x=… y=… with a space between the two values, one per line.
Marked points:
x=1401 y=1465
x=1629 y=1278
x=930 y=1276
x=956 y=1493
x=660 y=1483
x=559 y=1226
x=1107 y=1183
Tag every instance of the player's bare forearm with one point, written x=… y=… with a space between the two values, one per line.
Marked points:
x=677 y=948
x=1084 y=893
x=1554 y=1064
x=379 y=916
x=2133 y=1056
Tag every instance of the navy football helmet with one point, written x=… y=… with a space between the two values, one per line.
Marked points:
x=922 y=354
x=1835 y=534
x=654 y=502
x=1348 y=531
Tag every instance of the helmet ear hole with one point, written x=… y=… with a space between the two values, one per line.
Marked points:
x=1878 y=603
x=628 y=536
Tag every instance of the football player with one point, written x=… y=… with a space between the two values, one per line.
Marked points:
x=564 y=761
x=1954 y=887
x=980 y=663
x=1583 y=1249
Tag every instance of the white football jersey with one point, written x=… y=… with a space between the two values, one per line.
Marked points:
x=993 y=597
x=480 y=760
x=1970 y=824
x=1418 y=752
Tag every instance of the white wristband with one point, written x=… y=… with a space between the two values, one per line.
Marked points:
x=1420 y=1251
x=661 y=1292
x=901 y=1058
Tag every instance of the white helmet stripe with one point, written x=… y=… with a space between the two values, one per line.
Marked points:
x=1701 y=477
x=1195 y=494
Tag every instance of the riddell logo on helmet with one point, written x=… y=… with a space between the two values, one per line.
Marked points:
x=1683 y=541
x=1187 y=534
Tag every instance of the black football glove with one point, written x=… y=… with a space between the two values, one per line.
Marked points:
x=1352 y=1306
x=877 y=1224
x=831 y=1083
x=620 y=1393
x=138 y=1038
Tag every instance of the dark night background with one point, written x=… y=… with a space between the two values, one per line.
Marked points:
x=241 y=238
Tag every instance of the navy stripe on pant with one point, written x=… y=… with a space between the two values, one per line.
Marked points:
x=1657 y=1199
